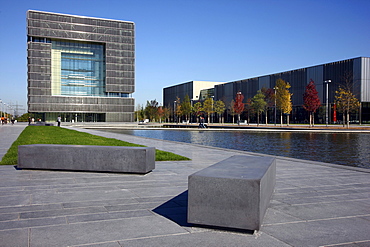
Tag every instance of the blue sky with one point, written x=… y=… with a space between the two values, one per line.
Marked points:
x=212 y=40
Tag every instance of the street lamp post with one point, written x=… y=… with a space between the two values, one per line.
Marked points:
x=174 y=111
x=5 y=110
x=212 y=120
x=275 y=88
x=1 y=102
x=191 y=111
x=327 y=102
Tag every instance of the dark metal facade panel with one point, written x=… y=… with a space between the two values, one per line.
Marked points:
x=316 y=73
x=170 y=94
x=263 y=81
x=361 y=68
x=337 y=73
x=80 y=104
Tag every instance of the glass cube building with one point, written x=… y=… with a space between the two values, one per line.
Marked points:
x=80 y=68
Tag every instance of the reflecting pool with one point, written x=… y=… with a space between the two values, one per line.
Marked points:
x=350 y=149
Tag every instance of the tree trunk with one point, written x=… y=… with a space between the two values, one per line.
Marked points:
x=266 y=117
x=238 y=119
x=281 y=119
x=347 y=119
x=344 y=119
x=287 y=119
x=313 y=119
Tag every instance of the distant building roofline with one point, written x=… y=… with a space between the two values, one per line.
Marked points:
x=80 y=16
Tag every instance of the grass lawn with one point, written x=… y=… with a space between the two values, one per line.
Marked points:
x=57 y=135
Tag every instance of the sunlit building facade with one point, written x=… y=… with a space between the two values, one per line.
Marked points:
x=80 y=68
x=196 y=90
x=355 y=71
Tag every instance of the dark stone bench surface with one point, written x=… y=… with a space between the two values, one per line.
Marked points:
x=234 y=193
x=87 y=158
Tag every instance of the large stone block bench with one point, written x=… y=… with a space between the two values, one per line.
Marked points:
x=234 y=193
x=87 y=158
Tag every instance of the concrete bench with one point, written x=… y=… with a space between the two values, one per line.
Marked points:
x=234 y=193
x=87 y=158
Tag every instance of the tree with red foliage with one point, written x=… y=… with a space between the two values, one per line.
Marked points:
x=269 y=98
x=311 y=100
x=239 y=105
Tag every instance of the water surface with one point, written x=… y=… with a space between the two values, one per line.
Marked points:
x=350 y=149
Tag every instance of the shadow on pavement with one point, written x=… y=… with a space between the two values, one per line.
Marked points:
x=175 y=209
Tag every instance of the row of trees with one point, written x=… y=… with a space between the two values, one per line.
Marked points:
x=278 y=98
x=182 y=109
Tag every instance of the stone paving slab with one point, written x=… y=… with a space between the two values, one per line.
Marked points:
x=314 y=204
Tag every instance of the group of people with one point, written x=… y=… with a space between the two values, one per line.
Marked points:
x=202 y=125
x=32 y=120
x=5 y=120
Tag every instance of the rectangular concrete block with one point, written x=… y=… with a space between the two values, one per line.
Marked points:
x=234 y=193
x=87 y=158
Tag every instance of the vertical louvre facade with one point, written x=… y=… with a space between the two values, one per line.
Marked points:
x=356 y=71
x=80 y=68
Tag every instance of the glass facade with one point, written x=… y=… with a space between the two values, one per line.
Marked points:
x=77 y=68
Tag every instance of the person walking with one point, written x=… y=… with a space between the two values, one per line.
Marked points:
x=59 y=120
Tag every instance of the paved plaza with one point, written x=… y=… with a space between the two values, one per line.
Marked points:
x=314 y=204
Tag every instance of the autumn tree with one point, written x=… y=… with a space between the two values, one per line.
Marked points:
x=166 y=113
x=232 y=109
x=249 y=109
x=151 y=110
x=269 y=98
x=197 y=109
x=239 y=105
x=208 y=107
x=186 y=107
x=160 y=113
x=346 y=102
x=258 y=104
x=283 y=99
x=219 y=109
x=177 y=109
x=139 y=113
x=311 y=100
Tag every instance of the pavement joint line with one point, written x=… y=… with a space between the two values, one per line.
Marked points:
x=327 y=202
x=341 y=244
x=89 y=244
x=130 y=239
x=280 y=240
x=310 y=191
x=329 y=185
x=73 y=223
x=316 y=220
x=29 y=237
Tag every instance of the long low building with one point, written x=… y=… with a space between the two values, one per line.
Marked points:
x=356 y=71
